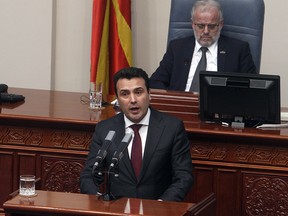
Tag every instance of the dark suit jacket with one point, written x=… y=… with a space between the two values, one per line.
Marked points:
x=166 y=169
x=172 y=74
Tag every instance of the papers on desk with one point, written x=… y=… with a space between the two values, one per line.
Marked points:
x=273 y=126
x=284 y=119
x=284 y=116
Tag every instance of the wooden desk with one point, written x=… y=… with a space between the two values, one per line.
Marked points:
x=58 y=203
x=49 y=136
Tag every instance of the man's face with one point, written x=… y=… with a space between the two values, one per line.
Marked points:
x=206 y=25
x=133 y=98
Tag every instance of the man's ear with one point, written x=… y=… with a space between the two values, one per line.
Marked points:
x=149 y=92
x=221 y=24
x=192 y=24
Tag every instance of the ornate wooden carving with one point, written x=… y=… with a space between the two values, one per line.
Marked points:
x=58 y=138
x=45 y=137
x=36 y=137
x=61 y=175
x=16 y=136
x=282 y=158
x=201 y=151
x=240 y=153
x=243 y=153
x=265 y=195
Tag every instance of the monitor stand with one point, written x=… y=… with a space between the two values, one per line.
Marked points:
x=238 y=122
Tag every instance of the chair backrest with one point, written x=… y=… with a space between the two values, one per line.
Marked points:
x=243 y=19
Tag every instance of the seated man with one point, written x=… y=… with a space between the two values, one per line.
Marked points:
x=178 y=66
x=163 y=170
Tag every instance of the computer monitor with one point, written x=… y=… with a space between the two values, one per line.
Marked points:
x=240 y=99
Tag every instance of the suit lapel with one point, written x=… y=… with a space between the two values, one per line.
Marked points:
x=189 y=45
x=153 y=136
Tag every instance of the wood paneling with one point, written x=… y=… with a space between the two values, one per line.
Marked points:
x=61 y=173
x=6 y=172
x=265 y=193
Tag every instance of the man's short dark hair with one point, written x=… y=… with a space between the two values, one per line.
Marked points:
x=129 y=73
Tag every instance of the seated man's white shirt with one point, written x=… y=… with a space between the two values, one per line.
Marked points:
x=211 y=56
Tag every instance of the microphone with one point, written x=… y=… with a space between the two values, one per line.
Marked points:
x=103 y=150
x=118 y=154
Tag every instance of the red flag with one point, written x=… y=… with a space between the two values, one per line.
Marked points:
x=111 y=42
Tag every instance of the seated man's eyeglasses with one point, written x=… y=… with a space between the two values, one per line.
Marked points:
x=201 y=26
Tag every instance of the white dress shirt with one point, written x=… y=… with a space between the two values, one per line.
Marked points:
x=142 y=131
x=211 y=56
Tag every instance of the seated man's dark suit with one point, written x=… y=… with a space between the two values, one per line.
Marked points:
x=166 y=169
x=172 y=74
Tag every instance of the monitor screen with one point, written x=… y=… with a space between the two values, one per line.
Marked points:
x=249 y=99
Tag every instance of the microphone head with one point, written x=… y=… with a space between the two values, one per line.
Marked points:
x=118 y=154
x=127 y=138
x=110 y=136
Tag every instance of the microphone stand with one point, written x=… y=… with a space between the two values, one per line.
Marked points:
x=107 y=196
x=114 y=166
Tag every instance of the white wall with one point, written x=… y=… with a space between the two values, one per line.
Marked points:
x=46 y=46
x=150 y=29
x=25 y=43
x=73 y=37
x=275 y=44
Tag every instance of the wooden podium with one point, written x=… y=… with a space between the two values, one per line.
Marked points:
x=60 y=203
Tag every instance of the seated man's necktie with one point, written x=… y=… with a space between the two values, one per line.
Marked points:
x=201 y=66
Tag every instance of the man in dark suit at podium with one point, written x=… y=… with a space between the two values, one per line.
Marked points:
x=165 y=167
x=178 y=66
